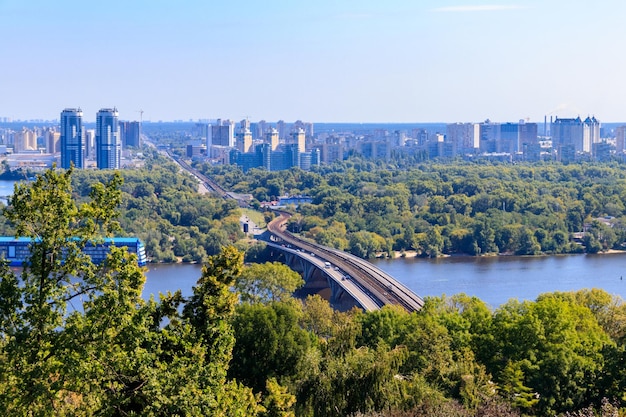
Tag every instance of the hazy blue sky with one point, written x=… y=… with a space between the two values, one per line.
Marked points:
x=319 y=61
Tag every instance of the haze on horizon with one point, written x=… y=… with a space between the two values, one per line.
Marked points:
x=327 y=61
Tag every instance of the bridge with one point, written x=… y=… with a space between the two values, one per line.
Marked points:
x=346 y=275
x=322 y=278
x=344 y=279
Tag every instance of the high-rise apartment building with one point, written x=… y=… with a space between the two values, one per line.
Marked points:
x=24 y=140
x=72 y=138
x=130 y=134
x=52 y=141
x=566 y=133
x=490 y=136
x=272 y=139
x=281 y=127
x=298 y=137
x=306 y=126
x=244 y=137
x=89 y=136
x=108 y=144
x=222 y=134
x=464 y=137
x=591 y=133
x=620 y=139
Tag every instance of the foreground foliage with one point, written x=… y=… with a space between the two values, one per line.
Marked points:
x=78 y=339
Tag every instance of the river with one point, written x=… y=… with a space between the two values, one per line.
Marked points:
x=494 y=280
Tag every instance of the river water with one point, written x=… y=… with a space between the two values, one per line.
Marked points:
x=494 y=280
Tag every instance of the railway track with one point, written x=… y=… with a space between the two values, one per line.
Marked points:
x=208 y=182
x=380 y=286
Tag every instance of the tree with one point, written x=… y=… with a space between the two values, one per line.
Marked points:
x=556 y=343
x=77 y=338
x=366 y=244
x=263 y=283
x=35 y=306
x=270 y=343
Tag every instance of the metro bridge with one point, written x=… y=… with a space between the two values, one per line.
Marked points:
x=349 y=279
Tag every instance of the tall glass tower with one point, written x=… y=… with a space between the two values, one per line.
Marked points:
x=108 y=143
x=72 y=142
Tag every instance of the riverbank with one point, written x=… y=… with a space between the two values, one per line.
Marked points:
x=415 y=254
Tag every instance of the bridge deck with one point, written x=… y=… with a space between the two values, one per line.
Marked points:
x=357 y=292
x=379 y=285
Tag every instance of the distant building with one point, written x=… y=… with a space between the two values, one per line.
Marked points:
x=130 y=134
x=576 y=132
x=566 y=153
x=298 y=137
x=263 y=157
x=25 y=140
x=376 y=149
x=620 y=139
x=591 y=133
x=196 y=150
x=72 y=138
x=464 y=137
x=281 y=127
x=272 y=138
x=108 y=143
x=602 y=151
x=528 y=135
x=202 y=131
x=90 y=143
x=330 y=152
x=244 y=137
x=513 y=136
x=52 y=141
x=259 y=129
x=306 y=126
x=222 y=134
x=531 y=152
x=490 y=137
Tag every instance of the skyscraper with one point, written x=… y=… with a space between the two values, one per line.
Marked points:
x=298 y=137
x=72 y=138
x=130 y=134
x=244 y=137
x=108 y=144
x=222 y=134
x=568 y=132
x=272 y=139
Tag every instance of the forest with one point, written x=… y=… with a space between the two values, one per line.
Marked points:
x=77 y=339
x=431 y=209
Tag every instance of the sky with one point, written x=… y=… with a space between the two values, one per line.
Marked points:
x=367 y=61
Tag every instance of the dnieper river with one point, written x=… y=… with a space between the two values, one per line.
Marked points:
x=494 y=280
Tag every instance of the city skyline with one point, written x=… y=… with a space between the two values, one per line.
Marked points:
x=397 y=62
